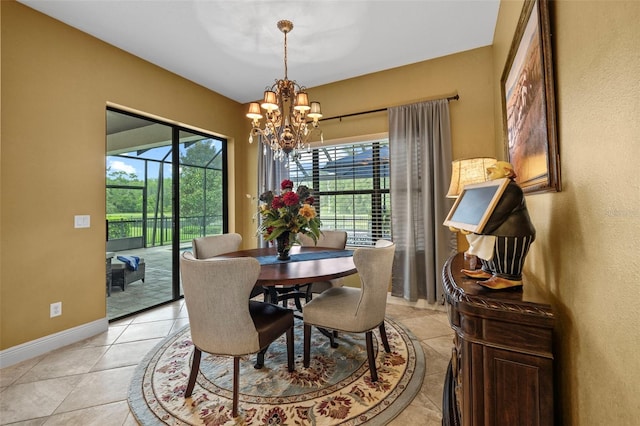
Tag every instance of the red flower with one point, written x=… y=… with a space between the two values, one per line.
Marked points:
x=309 y=200
x=286 y=184
x=290 y=198
x=277 y=202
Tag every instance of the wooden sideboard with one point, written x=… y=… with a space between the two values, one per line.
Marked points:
x=501 y=368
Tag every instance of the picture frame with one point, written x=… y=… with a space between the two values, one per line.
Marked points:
x=529 y=102
x=474 y=205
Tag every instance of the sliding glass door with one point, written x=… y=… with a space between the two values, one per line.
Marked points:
x=154 y=209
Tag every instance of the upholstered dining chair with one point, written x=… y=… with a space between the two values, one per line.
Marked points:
x=332 y=239
x=223 y=320
x=214 y=245
x=355 y=310
x=328 y=238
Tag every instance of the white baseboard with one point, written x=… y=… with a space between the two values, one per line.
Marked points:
x=34 y=348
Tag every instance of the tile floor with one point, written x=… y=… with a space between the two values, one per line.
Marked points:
x=87 y=383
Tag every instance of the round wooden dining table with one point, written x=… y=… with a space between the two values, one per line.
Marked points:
x=323 y=266
x=307 y=264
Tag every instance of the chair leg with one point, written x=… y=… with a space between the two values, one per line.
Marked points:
x=236 y=378
x=290 y=350
x=296 y=298
x=260 y=359
x=371 y=356
x=307 y=345
x=331 y=335
x=308 y=295
x=273 y=295
x=195 y=366
x=383 y=336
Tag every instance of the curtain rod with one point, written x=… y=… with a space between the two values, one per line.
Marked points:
x=450 y=98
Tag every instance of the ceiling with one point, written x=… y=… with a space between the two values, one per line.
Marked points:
x=233 y=47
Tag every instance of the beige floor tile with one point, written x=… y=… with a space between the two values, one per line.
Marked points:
x=183 y=312
x=441 y=344
x=401 y=312
x=35 y=399
x=64 y=362
x=130 y=420
x=444 y=319
x=168 y=312
x=178 y=324
x=432 y=388
x=97 y=388
x=125 y=354
x=10 y=375
x=426 y=329
x=124 y=321
x=32 y=422
x=102 y=339
x=421 y=412
x=434 y=361
x=108 y=414
x=147 y=330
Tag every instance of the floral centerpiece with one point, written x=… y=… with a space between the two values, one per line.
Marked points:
x=286 y=215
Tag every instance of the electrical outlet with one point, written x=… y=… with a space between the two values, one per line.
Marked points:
x=55 y=309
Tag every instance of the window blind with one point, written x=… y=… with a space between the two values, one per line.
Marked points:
x=350 y=184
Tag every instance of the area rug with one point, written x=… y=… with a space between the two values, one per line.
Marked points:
x=335 y=389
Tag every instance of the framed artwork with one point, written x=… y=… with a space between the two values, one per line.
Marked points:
x=474 y=205
x=528 y=102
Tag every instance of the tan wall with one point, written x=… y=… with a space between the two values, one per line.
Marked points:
x=467 y=74
x=56 y=82
x=586 y=252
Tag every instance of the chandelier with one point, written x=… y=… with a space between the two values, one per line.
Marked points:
x=286 y=109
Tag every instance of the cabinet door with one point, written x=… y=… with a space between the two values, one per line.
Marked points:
x=518 y=389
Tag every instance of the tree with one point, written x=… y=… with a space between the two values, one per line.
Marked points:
x=121 y=200
x=200 y=183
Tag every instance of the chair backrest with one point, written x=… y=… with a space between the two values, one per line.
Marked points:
x=374 y=268
x=328 y=238
x=216 y=292
x=214 y=245
x=383 y=243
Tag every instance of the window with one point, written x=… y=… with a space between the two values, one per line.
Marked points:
x=350 y=184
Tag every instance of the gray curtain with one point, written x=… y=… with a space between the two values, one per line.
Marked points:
x=420 y=168
x=270 y=173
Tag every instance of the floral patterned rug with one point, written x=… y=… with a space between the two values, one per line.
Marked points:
x=335 y=389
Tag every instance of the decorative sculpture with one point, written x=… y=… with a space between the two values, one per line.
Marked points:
x=505 y=239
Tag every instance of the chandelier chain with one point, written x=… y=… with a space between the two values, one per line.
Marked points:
x=285 y=56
